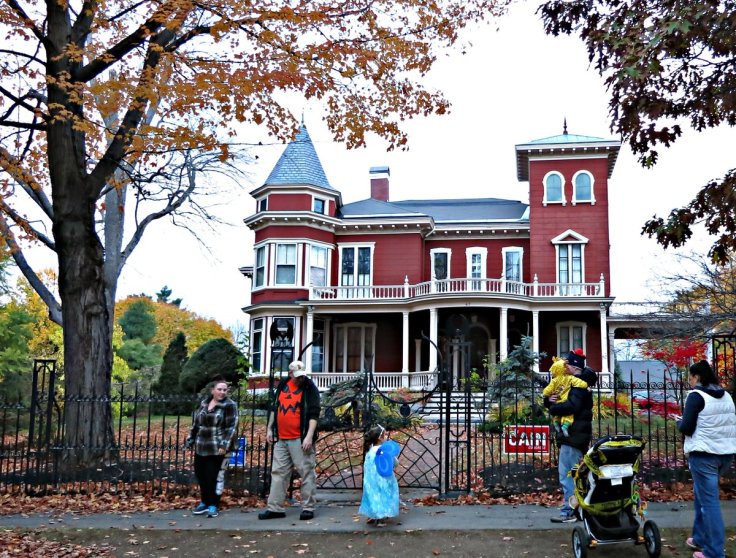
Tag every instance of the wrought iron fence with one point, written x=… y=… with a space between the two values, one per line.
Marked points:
x=453 y=441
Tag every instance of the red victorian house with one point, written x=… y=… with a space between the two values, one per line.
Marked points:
x=355 y=287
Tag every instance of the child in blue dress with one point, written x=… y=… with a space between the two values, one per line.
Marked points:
x=380 y=493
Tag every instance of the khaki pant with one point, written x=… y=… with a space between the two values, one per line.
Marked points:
x=288 y=454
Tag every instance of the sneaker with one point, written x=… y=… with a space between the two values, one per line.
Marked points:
x=306 y=515
x=212 y=511
x=268 y=514
x=200 y=509
x=689 y=542
x=572 y=518
x=698 y=554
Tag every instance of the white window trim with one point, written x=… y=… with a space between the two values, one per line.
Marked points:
x=258 y=203
x=570 y=237
x=575 y=199
x=328 y=262
x=563 y=199
x=432 y=254
x=323 y=200
x=366 y=330
x=299 y=264
x=261 y=349
x=265 y=266
x=515 y=249
x=355 y=246
x=469 y=253
x=569 y=325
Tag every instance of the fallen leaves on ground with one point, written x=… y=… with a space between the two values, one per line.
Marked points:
x=85 y=504
x=14 y=543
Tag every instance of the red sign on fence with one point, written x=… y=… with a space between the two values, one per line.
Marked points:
x=526 y=438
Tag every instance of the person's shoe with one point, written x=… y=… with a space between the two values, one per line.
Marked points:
x=200 y=509
x=689 y=542
x=268 y=514
x=306 y=515
x=572 y=518
x=698 y=554
x=212 y=511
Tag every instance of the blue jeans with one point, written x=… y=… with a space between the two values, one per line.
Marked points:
x=568 y=458
x=708 y=531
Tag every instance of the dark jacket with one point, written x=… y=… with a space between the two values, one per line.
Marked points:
x=579 y=404
x=309 y=411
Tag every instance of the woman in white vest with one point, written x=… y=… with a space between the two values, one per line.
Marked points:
x=709 y=425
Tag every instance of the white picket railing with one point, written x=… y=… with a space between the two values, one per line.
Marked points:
x=385 y=381
x=462 y=286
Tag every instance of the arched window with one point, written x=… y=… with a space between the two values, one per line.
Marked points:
x=583 y=188
x=554 y=188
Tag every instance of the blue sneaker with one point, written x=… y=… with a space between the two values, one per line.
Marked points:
x=200 y=509
x=212 y=511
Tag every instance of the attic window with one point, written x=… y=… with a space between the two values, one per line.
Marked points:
x=263 y=204
x=319 y=206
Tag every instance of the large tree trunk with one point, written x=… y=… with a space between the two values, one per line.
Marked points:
x=87 y=325
x=87 y=341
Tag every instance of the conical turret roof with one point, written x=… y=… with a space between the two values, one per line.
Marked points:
x=299 y=164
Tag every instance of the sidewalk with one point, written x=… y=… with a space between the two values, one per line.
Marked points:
x=337 y=512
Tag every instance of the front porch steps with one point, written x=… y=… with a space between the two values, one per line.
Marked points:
x=460 y=407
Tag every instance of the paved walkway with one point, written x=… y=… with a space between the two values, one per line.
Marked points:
x=337 y=512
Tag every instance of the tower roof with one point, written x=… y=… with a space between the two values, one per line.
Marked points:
x=299 y=164
x=565 y=144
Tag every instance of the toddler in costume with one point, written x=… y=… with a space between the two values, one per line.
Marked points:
x=562 y=381
x=380 y=489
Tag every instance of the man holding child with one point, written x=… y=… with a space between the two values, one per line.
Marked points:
x=579 y=404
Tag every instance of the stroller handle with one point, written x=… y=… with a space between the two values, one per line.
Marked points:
x=616 y=438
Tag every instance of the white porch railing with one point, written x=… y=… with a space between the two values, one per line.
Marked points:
x=385 y=381
x=417 y=381
x=459 y=286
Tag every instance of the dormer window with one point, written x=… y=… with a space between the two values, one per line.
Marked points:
x=554 y=191
x=583 y=188
x=263 y=204
x=319 y=206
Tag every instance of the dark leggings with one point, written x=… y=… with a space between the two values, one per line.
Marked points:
x=206 y=468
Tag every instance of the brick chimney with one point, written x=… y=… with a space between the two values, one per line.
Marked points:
x=379 y=183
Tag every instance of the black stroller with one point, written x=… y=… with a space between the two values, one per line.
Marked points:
x=607 y=499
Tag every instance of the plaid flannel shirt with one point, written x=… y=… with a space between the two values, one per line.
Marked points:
x=213 y=430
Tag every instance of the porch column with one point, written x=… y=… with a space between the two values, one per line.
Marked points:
x=309 y=338
x=503 y=334
x=611 y=352
x=417 y=355
x=433 y=338
x=535 y=337
x=405 y=350
x=604 y=340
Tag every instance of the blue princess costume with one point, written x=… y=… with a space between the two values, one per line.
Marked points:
x=380 y=493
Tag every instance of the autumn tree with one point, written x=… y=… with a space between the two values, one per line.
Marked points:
x=664 y=63
x=98 y=99
x=171 y=319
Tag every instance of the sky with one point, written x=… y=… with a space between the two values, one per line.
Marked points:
x=512 y=85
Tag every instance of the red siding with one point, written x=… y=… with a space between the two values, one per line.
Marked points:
x=395 y=256
x=294 y=232
x=588 y=220
x=494 y=258
x=289 y=202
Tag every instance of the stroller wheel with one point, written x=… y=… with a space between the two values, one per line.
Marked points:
x=579 y=542
x=652 y=538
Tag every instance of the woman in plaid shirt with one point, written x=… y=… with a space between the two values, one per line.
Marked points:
x=212 y=434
